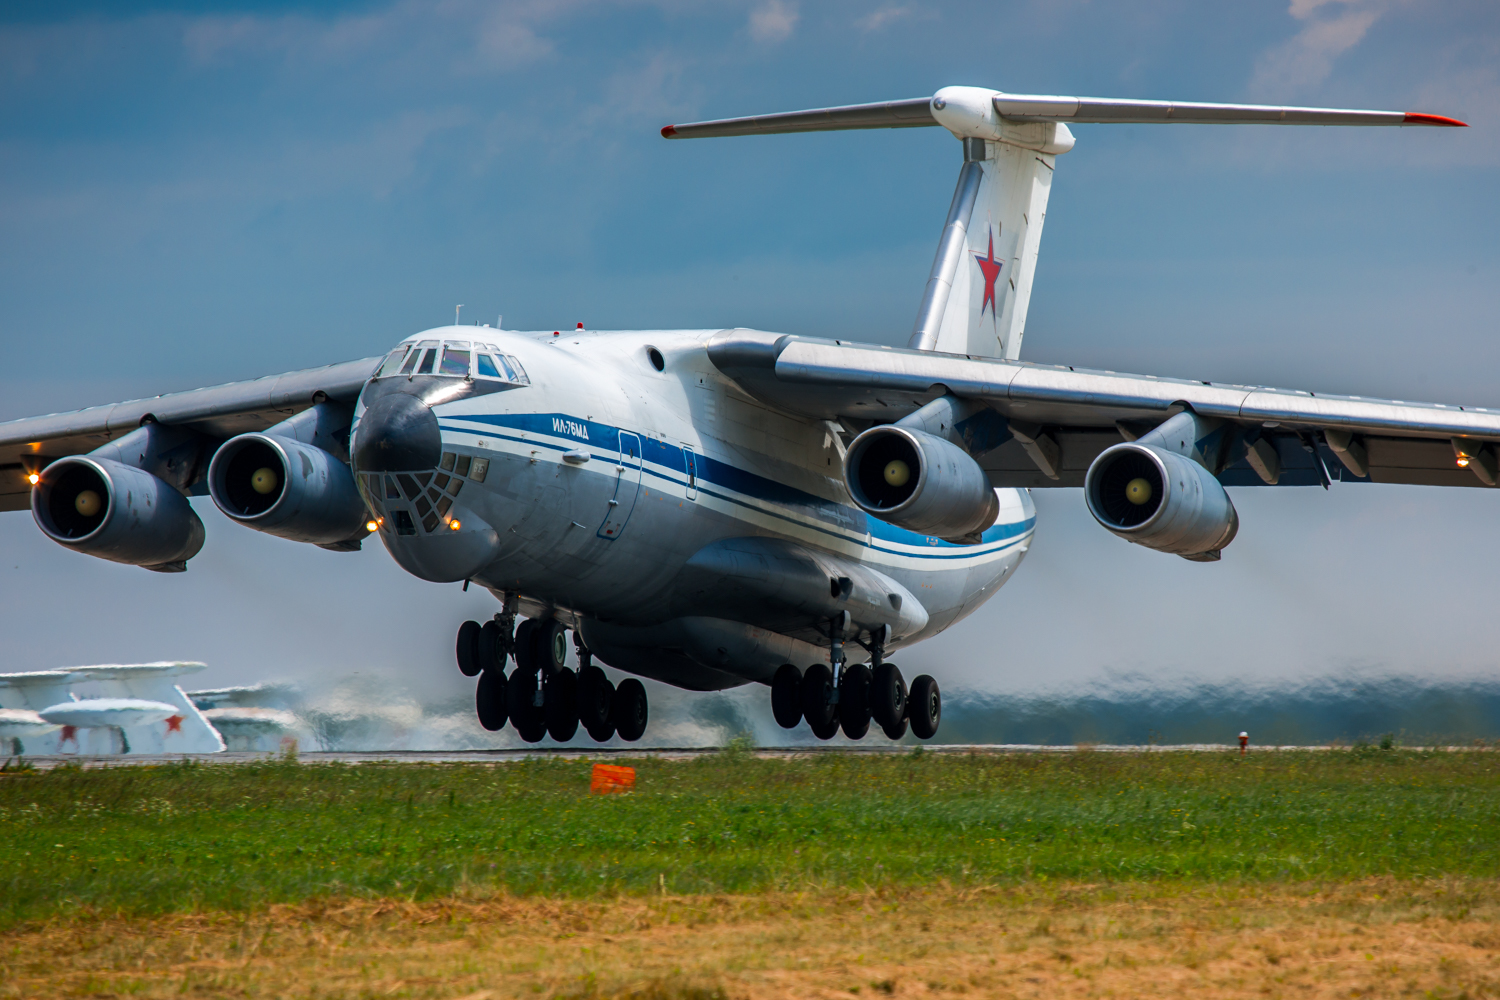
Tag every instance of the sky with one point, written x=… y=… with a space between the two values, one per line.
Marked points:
x=194 y=193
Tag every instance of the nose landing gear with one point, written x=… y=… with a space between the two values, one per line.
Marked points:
x=543 y=696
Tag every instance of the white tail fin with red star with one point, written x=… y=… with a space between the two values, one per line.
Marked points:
x=985 y=309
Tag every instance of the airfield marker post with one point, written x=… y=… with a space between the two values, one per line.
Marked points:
x=1244 y=742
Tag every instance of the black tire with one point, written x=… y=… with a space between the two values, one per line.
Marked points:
x=630 y=711
x=888 y=698
x=925 y=707
x=467 y=649
x=595 y=696
x=894 y=732
x=602 y=734
x=550 y=640
x=490 y=651
x=525 y=714
x=818 y=706
x=786 y=696
x=562 y=705
x=828 y=731
x=524 y=658
x=490 y=700
x=854 y=701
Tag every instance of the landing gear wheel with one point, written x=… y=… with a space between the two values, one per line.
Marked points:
x=818 y=706
x=894 y=732
x=888 y=699
x=489 y=651
x=925 y=707
x=520 y=698
x=550 y=642
x=467 y=650
x=630 y=710
x=490 y=700
x=854 y=701
x=786 y=696
x=562 y=705
x=595 y=697
x=524 y=658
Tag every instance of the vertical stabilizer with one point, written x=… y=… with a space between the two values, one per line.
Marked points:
x=986 y=308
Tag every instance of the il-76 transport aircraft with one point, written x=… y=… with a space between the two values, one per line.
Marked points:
x=715 y=507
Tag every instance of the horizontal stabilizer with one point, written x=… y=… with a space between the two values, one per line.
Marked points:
x=889 y=114
x=1044 y=108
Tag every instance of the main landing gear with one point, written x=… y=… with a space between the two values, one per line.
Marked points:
x=851 y=697
x=543 y=696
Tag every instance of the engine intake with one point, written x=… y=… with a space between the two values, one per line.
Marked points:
x=117 y=512
x=1162 y=500
x=920 y=482
x=287 y=488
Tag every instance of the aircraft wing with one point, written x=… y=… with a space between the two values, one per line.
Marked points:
x=1059 y=418
x=219 y=411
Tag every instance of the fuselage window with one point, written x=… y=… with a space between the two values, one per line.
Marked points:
x=455 y=361
x=486 y=367
x=425 y=368
x=393 y=363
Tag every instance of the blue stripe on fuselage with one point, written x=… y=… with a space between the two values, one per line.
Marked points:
x=655 y=452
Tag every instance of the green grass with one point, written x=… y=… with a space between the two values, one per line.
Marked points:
x=154 y=839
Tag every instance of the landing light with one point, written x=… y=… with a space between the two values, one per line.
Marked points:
x=1463 y=462
x=453 y=525
x=34 y=478
x=371 y=525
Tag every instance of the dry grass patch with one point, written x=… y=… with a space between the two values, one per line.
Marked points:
x=1375 y=938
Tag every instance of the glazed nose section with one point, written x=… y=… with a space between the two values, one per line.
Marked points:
x=397 y=433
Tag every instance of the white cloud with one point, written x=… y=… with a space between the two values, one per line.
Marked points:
x=880 y=18
x=773 y=21
x=1306 y=59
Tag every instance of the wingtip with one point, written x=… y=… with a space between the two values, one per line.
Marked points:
x=669 y=131
x=1417 y=118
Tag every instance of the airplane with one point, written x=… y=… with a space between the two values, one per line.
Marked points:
x=137 y=708
x=711 y=508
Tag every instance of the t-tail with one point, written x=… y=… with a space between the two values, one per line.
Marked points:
x=978 y=292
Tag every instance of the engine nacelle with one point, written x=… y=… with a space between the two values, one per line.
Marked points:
x=920 y=482
x=286 y=488
x=117 y=512
x=1161 y=500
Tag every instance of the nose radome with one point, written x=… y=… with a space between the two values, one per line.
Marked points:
x=397 y=433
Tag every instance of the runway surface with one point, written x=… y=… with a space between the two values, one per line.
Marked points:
x=492 y=757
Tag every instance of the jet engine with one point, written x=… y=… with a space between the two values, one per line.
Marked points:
x=284 y=487
x=115 y=511
x=1162 y=500
x=920 y=482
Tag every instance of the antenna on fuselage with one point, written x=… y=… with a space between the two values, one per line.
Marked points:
x=455 y=314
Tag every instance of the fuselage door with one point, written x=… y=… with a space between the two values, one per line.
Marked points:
x=690 y=466
x=627 y=485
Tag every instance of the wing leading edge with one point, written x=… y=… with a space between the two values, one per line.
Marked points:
x=219 y=411
x=1060 y=418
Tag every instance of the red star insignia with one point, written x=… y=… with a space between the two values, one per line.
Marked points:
x=174 y=724
x=991 y=268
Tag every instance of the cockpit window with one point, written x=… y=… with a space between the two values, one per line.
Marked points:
x=392 y=363
x=455 y=359
x=485 y=366
x=518 y=374
x=425 y=366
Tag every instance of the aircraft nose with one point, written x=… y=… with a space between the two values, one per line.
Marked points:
x=397 y=433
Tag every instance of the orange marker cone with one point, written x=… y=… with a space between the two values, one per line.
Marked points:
x=609 y=778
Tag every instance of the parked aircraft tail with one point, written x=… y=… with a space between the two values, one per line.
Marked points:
x=979 y=289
